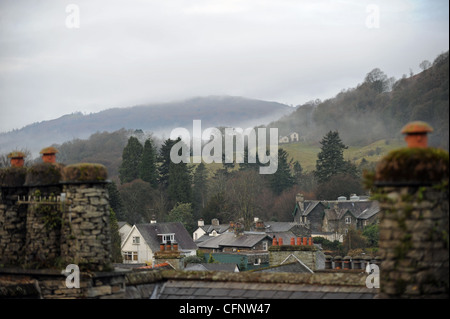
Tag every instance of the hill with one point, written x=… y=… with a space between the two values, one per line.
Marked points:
x=378 y=108
x=214 y=111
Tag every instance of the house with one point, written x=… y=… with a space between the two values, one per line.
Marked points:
x=204 y=231
x=144 y=240
x=290 y=138
x=283 y=139
x=293 y=137
x=236 y=242
x=124 y=229
x=333 y=218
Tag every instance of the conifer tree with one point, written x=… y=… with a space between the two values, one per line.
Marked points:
x=282 y=179
x=199 y=189
x=330 y=160
x=147 y=169
x=131 y=159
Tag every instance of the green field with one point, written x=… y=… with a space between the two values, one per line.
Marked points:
x=307 y=154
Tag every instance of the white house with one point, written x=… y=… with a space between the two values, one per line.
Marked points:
x=214 y=229
x=283 y=139
x=144 y=240
x=293 y=137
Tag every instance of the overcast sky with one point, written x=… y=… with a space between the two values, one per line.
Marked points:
x=57 y=58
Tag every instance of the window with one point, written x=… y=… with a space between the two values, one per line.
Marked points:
x=167 y=237
x=348 y=220
x=136 y=240
x=264 y=245
x=129 y=256
x=257 y=261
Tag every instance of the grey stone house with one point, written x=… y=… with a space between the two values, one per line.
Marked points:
x=332 y=219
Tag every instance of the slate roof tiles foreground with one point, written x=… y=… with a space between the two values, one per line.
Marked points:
x=219 y=285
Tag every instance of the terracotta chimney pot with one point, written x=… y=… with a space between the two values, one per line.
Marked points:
x=49 y=154
x=416 y=134
x=17 y=159
x=274 y=241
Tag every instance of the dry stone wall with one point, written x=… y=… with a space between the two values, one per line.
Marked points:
x=52 y=215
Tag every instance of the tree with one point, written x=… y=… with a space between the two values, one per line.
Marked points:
x=182 y=212
x=372 y=234
x=353 y=240
x=282 y=179
x=138 y=199
x=147 y=169
x=116 y=253
x=199 y=189
x=131 y=159
x=243 y=194
x=339 y=185
x=164 y=160
x=297 y=172
x=425 y=64
x=115 y=201
x=330 y=160
x=378 y=80
x=179 y=185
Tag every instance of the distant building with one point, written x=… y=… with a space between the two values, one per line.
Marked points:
x=290 y=138
x=333 y=218
x=144 y=240
x=232 y=242
x=203 y=231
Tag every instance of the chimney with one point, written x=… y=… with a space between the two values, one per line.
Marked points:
x=153 y=220
x=416 y=134
x=17 y=159
x=300 y=199
x=215 y=222
x=49 y=154
x=200 y=223
x=274 y=241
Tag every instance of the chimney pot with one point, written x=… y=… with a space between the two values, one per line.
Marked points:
x=292 y=241
x=280 y=241
x=274 y=241
x=305 y=241
x=299 y=241
x=49 y=154
x=416 y=134
x=17 y=159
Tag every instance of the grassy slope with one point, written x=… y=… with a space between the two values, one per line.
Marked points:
x=307 y=154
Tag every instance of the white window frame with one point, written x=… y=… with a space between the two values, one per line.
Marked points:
x=167 y=237
x=130 y=256
x=136 y=240
x=348 y=220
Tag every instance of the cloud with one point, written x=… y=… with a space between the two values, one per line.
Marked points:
x=138 y=52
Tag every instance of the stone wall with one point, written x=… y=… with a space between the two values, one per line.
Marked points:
x=412 y=188
x=52 y=215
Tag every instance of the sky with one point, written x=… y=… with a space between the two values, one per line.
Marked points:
x=59 y=57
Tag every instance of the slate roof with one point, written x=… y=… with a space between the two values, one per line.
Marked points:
x=245 y=240
x=218 y=228
x=245 y=285
x=211 y=267
x=150 y=234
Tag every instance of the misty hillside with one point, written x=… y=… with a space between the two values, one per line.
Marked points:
x=160 y=119
x=378 y=108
